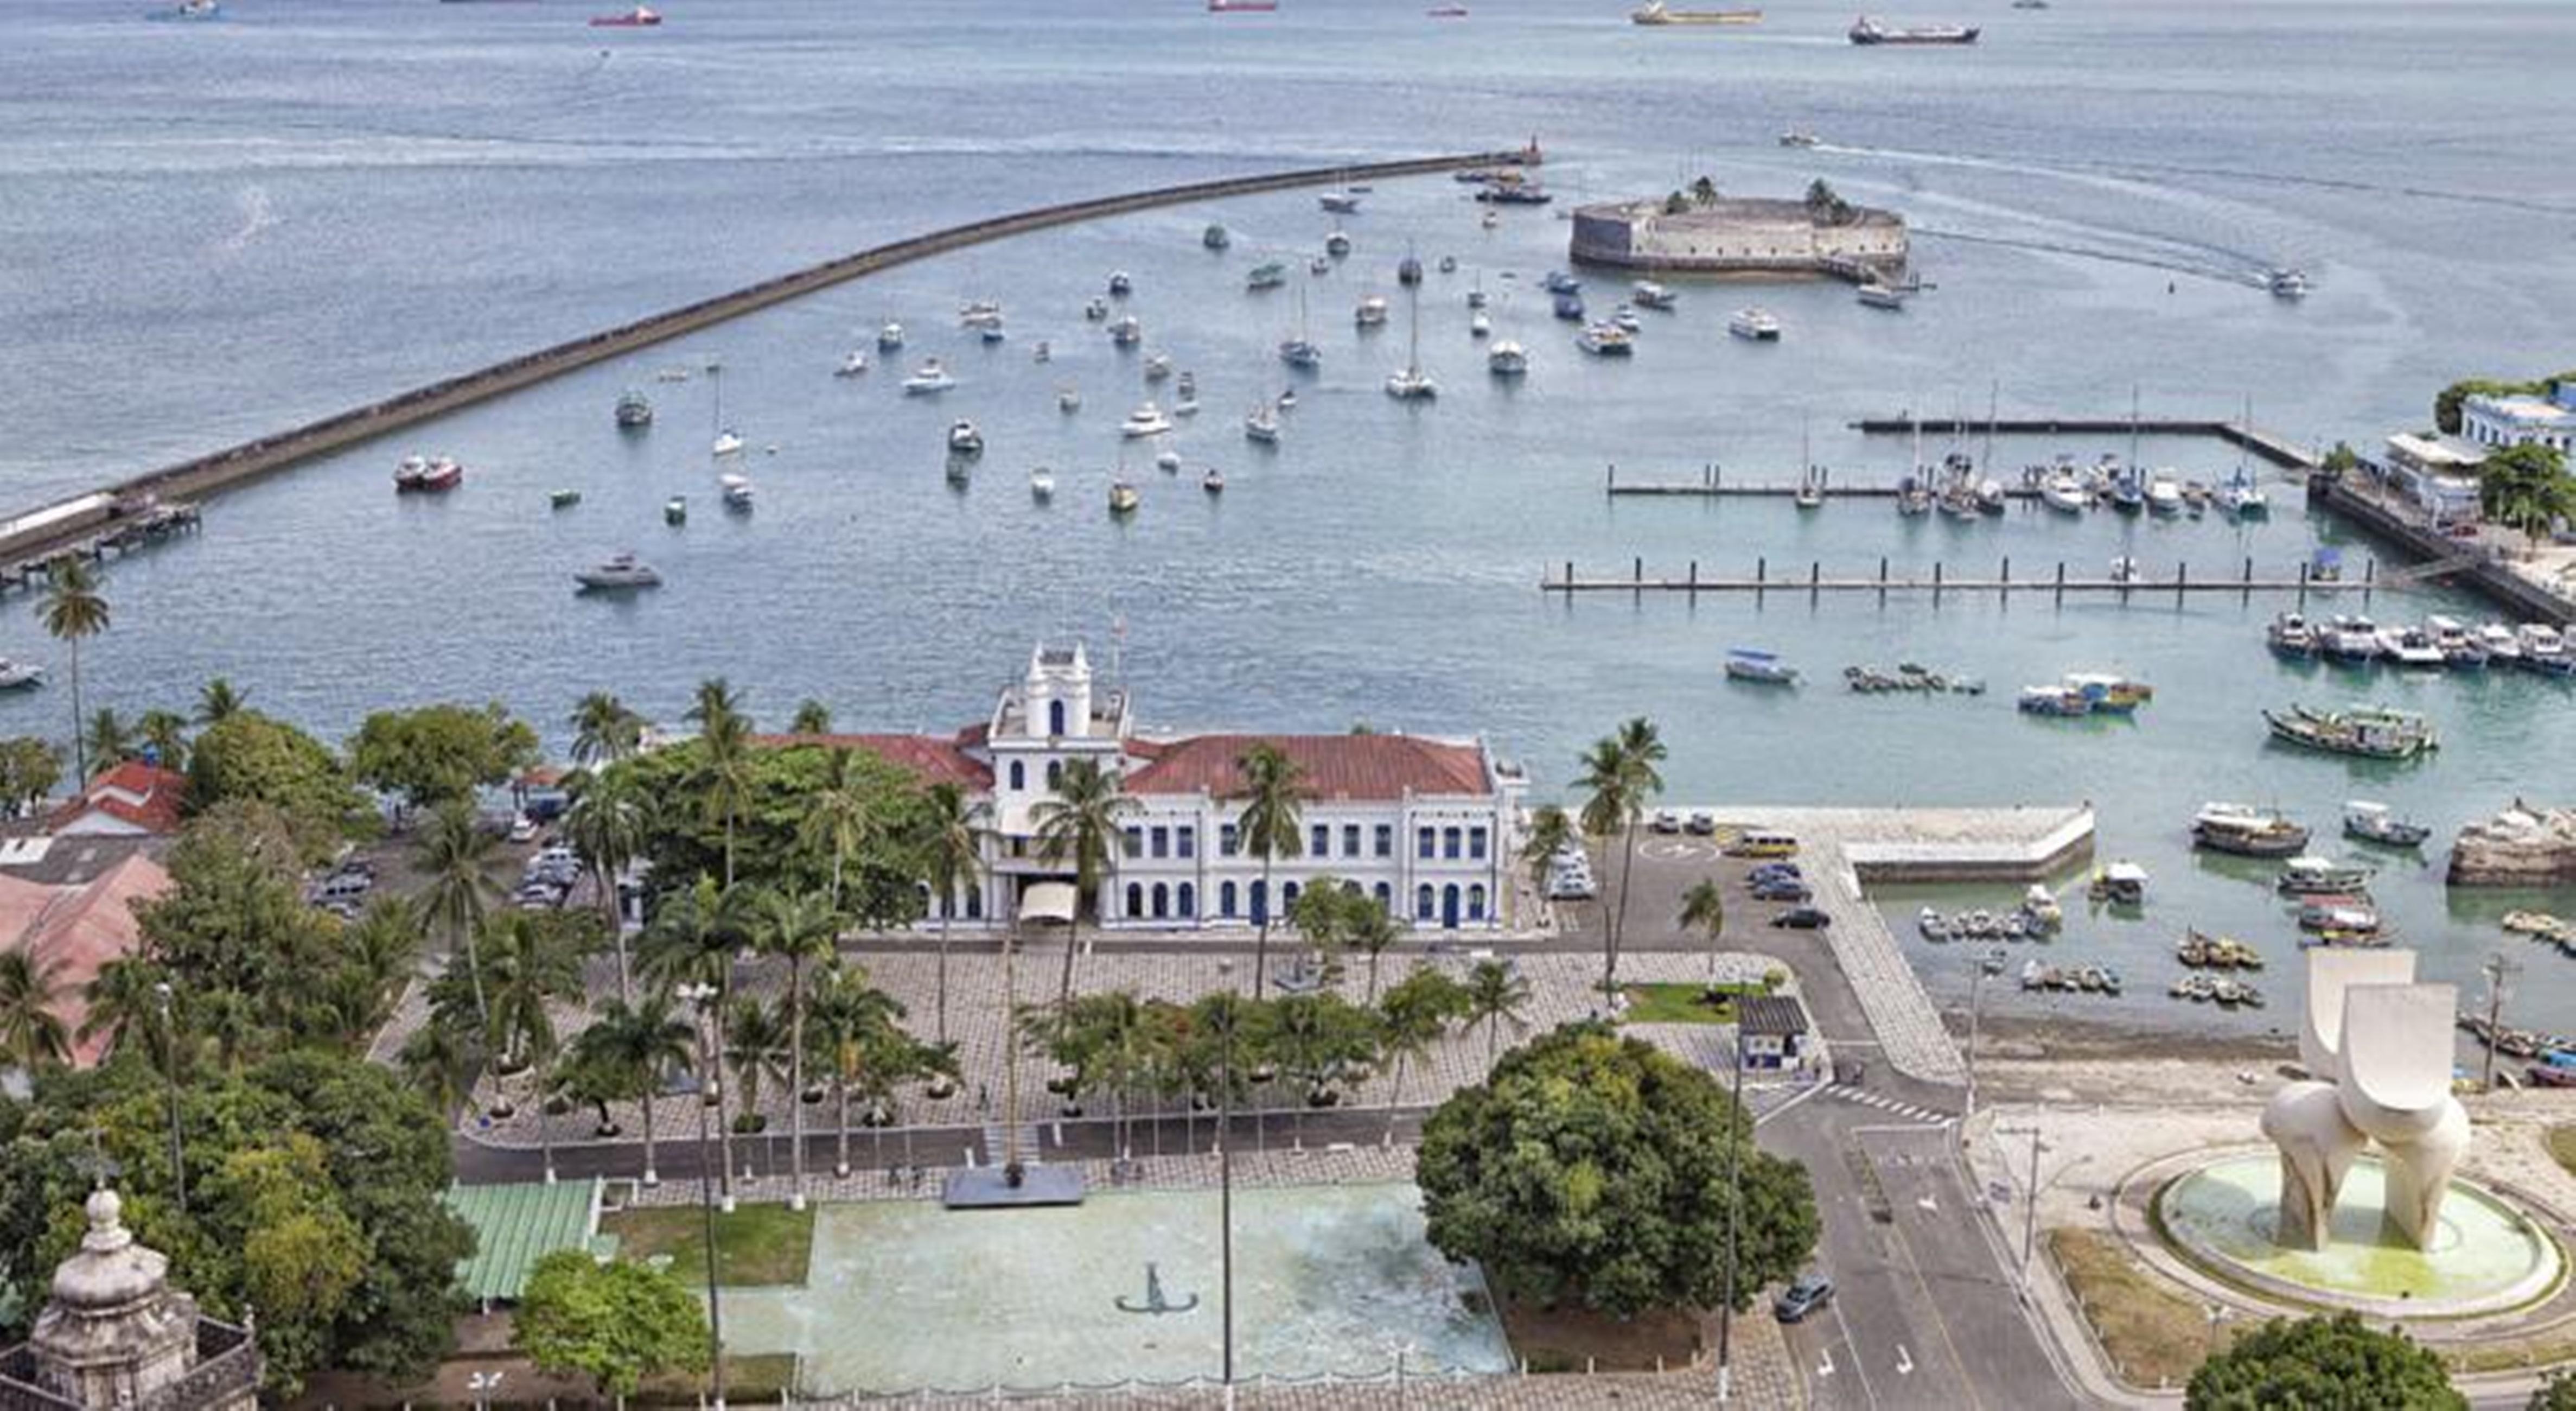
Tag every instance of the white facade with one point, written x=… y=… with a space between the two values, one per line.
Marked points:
x=1425 y=825
x=2513 y=421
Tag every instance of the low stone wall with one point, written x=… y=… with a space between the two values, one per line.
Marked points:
x=2485 y=575
x=2520 y=847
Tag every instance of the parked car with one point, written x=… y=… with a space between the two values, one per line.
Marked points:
x=1702 y=822
x=1783 y=889
x=1803 y=918
x=523 y=829
x=1571 y=887
x=1775 y=872
x=1666 y=820
x=1809 y=1293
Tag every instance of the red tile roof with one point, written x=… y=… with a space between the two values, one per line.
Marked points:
x=930 y=758
x=160 y=791
x=79 y=929
x=1334 y=766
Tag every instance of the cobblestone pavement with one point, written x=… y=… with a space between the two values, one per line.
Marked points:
x=1562 y=988
x=1900 y=1012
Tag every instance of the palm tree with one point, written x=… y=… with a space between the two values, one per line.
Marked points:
x=1619 y=775
x=692 y=940
x=33 y=766
x=440 y=1060
x=31 y=1036
x=1368 y=929
x=1704 y=910
x=1496 y=994
x=952 y=856
x=604 y=730
x=1075 y=826
x=1273 y=788
x=455 y=857
x=847 y=1014
x=724 y=734
x=125 y=1006
x=166 y=733
x=812 y=718
x=606 y=826
x=755 y=1048
x=801 y=928
x=1315 y=1036
x=217 y=701
x=629 y=1049
x=840 y=817
x=2526 y=487
x=108 y=739
x=1415 y=1014
x=382 y=945
x=72 y=609
x=1550 y=833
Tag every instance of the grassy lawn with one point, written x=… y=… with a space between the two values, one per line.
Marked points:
x=756 y=1244
x=749 y=1380
x=2155 y=1336
x=1686 y=1003
x=2562 y=1144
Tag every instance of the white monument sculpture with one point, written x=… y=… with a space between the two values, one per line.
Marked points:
x=2379 y=1045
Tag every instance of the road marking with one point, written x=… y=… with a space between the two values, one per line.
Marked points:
x=1858 y=1365
x=1926 y=1202
x=1904 y=1361
x=1940 y=1324
x=1811 y=1091
x=1824 y=1361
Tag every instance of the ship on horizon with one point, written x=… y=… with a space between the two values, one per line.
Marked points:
x=1238 y=7
x=1867 y=30
x=1656 y=12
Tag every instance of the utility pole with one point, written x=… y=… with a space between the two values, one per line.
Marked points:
x=1976 y=1010
x=1225 y=1170
x=2498 y=969
x=2029 y=1195
x=702 y=998
x=1734 y=1208
x=162 y=995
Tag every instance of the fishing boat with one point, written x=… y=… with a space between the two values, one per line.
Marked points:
x=633 y=411
x=1215 y=237
x=2310 y=876
x=735 y=490
x=1123 y=498
x=2246 y=831
x=1261 y=425
x=1757 y=325
x=890 y=338
x=929 y=379
x=2054 y=701
x=1759 y=668
x=618 y=573
x=1866 y=30
x=1371 y=312
x=2205 y=952
x=1607 y=340
x=2109 y=694
x=1568 y=305
x=2376 y=823
x=2366 y=732
x=2039 y=907
x=1269 y=275
x=641 y=17
x=417 y=475
x=1212 y=480
x=2291 y=635
x=1647 y=294
x=964 y=439
x=1507 y=358
x=1041 y=484
x=562 y=499
x=2122 y=883
x=1146 y=420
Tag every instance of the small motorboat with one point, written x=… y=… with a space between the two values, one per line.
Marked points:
x=1448 y=264
x=1647 y=294
x=1606 y=340
x=675 y=510
x=1127 y=332
x=1268 y=275
x=890 y=338
x=1043 y=352
x=1169 y=462
x=430 y=475
x=1157 y=366
x=727 y=443
x=1120 y=284
x=2312 y=876
x=1096 y=310
x=1756 y=325
x=1146 y=420
x=1339 y=202
x=619 y=573
x=20 y=675
x=852 y=365
x=1337 y=245
x=1371 y=312
x=1287 y=398
x=1215 y=237
x=633 y=412
x=964 y=439
x=1213 y=481
x=980 y=313
x=1123 y=498
x=1932 y=924
x=1760 y=668
x=2122 y=884
x=928 y=380
x=736 y=491
x=1261 y=426
x=563 y=499
x=641 y=17
x=1041 y=484
x=1068 y=399
x=2287 y=283
x=2375 y=823
x=1507 y=358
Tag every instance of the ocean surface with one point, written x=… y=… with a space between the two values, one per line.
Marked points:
x=217 y=230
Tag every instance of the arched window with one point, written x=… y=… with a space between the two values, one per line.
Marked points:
x=1135 y=898
x=1055 y=717
x=1260 y=902
x=1019 y=775
x=1162 y=901
x=1055 y=775
x=1189 y=900
x=1385 y=898
x=1476 y=902
x=1449 y=907
x=974 y=902
x=1422 y=902
x=1225 y=899
x=1288 y=899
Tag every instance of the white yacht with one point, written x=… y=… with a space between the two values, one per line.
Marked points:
x=928 y=379
x=1371 y=312
x=624 y=571
x=1157 y=366
x=1146 y=420
x=890 y=337
x=1607 y=340
x=19 y=675
x=1647 y=294
x=1339 y=202
x=1507 y=359
x=2503 y=648
x=2410 y=647
x=2287 y=283
x=2243 y=499
x=1478 y=325
x=1411 y=384
x=2544 y=650
x=1042 y=484
x=852 y=365
x=2065 y=493
x=1758 y=325
x=727 y=444
x=1127 y=332
x=1262 y=425
x=1068 y=399
x=1169 y=462
x=964 y=439
x=735 y=490
x=980 y=313
x=2164 y=494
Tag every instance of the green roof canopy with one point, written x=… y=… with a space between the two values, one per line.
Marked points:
x=517 y=1225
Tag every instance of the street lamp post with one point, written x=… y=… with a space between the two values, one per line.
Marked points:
x=1976 y=1009
x=162 y=995
x=702 y=996
x=1734 y=1206
x=2498 y=968
x=1225 y=1172
x=2032 y=1190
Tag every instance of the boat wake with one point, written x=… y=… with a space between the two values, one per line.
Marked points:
x=257 y=215
x=2147 y=171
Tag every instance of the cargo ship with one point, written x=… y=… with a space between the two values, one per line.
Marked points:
x=1241 y=7
x=1869 y=31
x=1655 y=12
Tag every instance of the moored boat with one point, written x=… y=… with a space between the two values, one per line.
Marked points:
x=633 y=411
x=641 y=17
x=1756 y=325
x=2246 y=831
x=2367 y=732
x=964 y=439
x=620 y=572
x=2375 y=823
x=2291 y=635
x=2311 y=876
x=1867 y=30
x=1656 y=12
x=1146 y=420
x=1761 y=668
x=928 y=379
x=1123 y=498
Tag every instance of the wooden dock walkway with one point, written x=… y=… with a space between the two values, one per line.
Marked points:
x=2272 y=447
x=1713 y=484
x=2055 y=581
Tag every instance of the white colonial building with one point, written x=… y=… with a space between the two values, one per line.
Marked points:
x=1424 y=824
x=2491 y=420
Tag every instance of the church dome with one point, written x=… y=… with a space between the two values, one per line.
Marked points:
x=110 y=1270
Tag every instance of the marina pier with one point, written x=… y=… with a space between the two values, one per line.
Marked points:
x=49 y=529
x=2054 y=581
x=2270 y=446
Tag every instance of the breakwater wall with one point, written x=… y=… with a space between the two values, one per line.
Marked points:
x=2477 y=570
x=43 y=529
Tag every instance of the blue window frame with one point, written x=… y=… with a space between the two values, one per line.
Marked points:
x=1350 y=840
x=1019 y=775
x=1386 y=840
x=1424 y=844
x=1449 y=842
x=1162 y=841
x=1319 y=840
x=1132 y=842
x=1423 y=902
x=1476 y=843
x=1228 y=840
x=1185 y=840
x=1225 y=903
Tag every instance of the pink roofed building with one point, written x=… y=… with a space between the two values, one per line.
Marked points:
x=76 y=928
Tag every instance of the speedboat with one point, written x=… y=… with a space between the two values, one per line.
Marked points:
x=1299 y=352
x=2291 y=635
x=1262 y=425
x=890 y=337
x=1157 y=366
x=727 y=443
x=675 y=511
x=1339 y=202
x=1647 y=294
x=2410 y=647
x=1042 y=484
x=1761 y=668
x=1371 y=312
x=735 y=490
x=1213 y=481
x=1408 y=271
x=1411 y=384
x=928 y=379
x=633 y=412
x=2065 y=493
x=1068 y=399
x=852 y=365
x=2503 y=648
x=2351 y=640
x=1557 y=281
x=1478 y=325
x=641 y=17
x=2543 y=650
x=1759 y=325
x=1608 y=340
x=189 y=10
x=618 y=573
x=2164 y=494
x=1269 y=275
x=417 y=474
x=2287 y=283
x=1146 y=420
x=1169 y=462
x=1337 y=244
x=1567 y=304
x=992 y=332
x=1799 y=137
x=1120 y=285
x=1318 y=265
x=2459 y=646
x=1506 y=359
x=1127 y=332
x=563 y=499
x=19 y=675
x=2311 y=876
x=2376 y=823
x=1123 y=498
x=964 y=439
x=1626 y=318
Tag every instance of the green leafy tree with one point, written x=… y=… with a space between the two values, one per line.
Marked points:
x=1316 y=1039
x=1368 y=929
x=1322 y=914
x=2526 y=487
x=1590 y=1170
x=30 y=767
x=1415 y=1014
x=2333 y=1361
x=232 y=931
x=604 y=731
x=165 y=732
x=627 y=1053
x=2341 y=459
x=1496 y=995
x=725 y=770
x=108 y=738
x=776 y=842
x=849 y=1021
x=1274 y=792
x=614 y=1322
x=1704 y=911
x=72 y=611
x=1074 y=827
x=2558 y=1393
x=440 y=754
x=1620 y=775
x=247 y=756
x=455 y=857
x=536 y=965
x=812 y=718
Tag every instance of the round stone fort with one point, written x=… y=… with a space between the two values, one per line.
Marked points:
x=1741 y=236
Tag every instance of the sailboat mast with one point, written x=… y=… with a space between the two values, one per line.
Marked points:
x=1994 y=394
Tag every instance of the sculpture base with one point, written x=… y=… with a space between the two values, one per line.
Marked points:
x=990 y=1188
x=2485 y=1257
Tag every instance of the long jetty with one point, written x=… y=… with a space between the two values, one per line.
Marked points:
x=72 y=521
x=2277 y=449
x=2056 y=582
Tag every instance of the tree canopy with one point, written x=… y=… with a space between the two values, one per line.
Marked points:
x=616 y=1323
x=2526 y=487
x=1591 y=1170
x=2556 y=1394
x=2446 y=403
x=683 y=841
x=250 y=756
x=2322 y=1362
x=312 y=1198
x=437 y=753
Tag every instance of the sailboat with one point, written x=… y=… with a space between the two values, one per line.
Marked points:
x=1811 y=477
x=1410 y=383
x=726 y=442
x=1301 y=351
x=2241 y=498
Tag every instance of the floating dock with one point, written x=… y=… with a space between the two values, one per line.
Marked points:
x=2055 y=581
x=2277 y=449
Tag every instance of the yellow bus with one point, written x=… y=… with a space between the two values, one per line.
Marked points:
x=1755 y=842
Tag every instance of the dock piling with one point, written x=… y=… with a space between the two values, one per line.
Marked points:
x=1882 y=580
x=2182 y=576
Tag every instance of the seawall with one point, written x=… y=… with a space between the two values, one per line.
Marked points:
x=2477 y=571
x=43 y=529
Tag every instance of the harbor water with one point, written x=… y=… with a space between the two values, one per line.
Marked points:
x=232 y=229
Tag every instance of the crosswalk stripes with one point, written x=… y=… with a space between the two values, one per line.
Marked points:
x=996 y=1142
x=1884 y=1103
